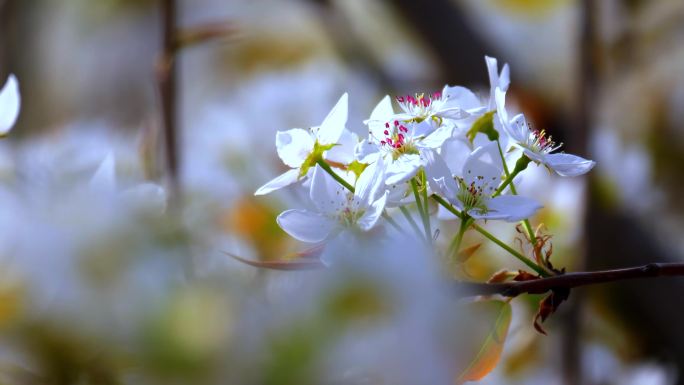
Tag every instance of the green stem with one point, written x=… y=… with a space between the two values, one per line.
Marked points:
x=325 y=166
x=526 y=222
x=426 y=206
x=492 y=238
x=411 y=222
x=419 y=204
x=455 y=245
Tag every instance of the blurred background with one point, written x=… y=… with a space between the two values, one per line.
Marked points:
x=109 y=293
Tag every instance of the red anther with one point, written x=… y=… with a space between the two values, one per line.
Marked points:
x=401 y=137
x=389 y=141
x=396 y=122
x=400 y=99
x=383 y=142
x=386 y=132
x=403 y=128
x=386 y=126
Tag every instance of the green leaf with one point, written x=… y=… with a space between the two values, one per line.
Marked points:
x=313 y=157
x=497 y=314
x=485 y=125
x=357 y=168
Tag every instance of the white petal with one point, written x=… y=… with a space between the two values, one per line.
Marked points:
x=399 y=194
x=330 y=130
x=481 y=174
x=327 y=194
x=438 y=137
x=382 y=113
x=504 y=78
x=402 y=169
x=500 y=104
x=306 y=226
x=367 y=152
x=513 y=207
x=147 y=197
x=294 y=146
x=518 y=128
x=436 y=169
x=104 y=179
x=455 y=152
x=370 y=181
x=460 y=97
x=344 y=151
x=568 y=164
x=371 y=216
x=10 y=101
x=423 y=129
x=285 y=179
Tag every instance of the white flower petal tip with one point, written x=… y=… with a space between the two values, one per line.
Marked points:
x=10 y=103
x=331 y=129
x=568 y=165
x=305 y=226
x=104 y=179
x=282 y=180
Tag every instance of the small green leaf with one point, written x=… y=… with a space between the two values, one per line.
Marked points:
x=357 y=168
x=485 y=125
x=313 y=157
x=487 y=357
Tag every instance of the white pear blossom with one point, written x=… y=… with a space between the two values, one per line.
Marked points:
x=538 y=146
x=10 y=102
x=399 y=143
x=297 y=146
x=338 y=209
x=472 y=191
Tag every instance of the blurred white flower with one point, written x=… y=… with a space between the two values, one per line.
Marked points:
x=10 y=102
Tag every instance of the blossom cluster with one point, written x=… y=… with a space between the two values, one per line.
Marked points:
x=453 y=148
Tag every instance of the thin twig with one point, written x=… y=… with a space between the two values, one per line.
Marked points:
x=167 y=78
x=570 y=280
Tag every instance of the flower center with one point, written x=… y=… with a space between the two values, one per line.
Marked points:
x=352 y=211
x=472 y=196
x=397 y=140
x=540 y=142
x=418 y=105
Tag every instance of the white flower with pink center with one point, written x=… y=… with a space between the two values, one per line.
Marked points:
x=538 y=146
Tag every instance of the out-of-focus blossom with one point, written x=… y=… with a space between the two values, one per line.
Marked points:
x=10 y=102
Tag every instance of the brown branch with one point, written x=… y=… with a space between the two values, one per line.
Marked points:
x=570 y=280
x=167 y=77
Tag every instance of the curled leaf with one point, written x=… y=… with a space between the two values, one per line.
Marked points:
x=464 y=254
x=489 y=353
x=548 y=306
x=501 y=276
